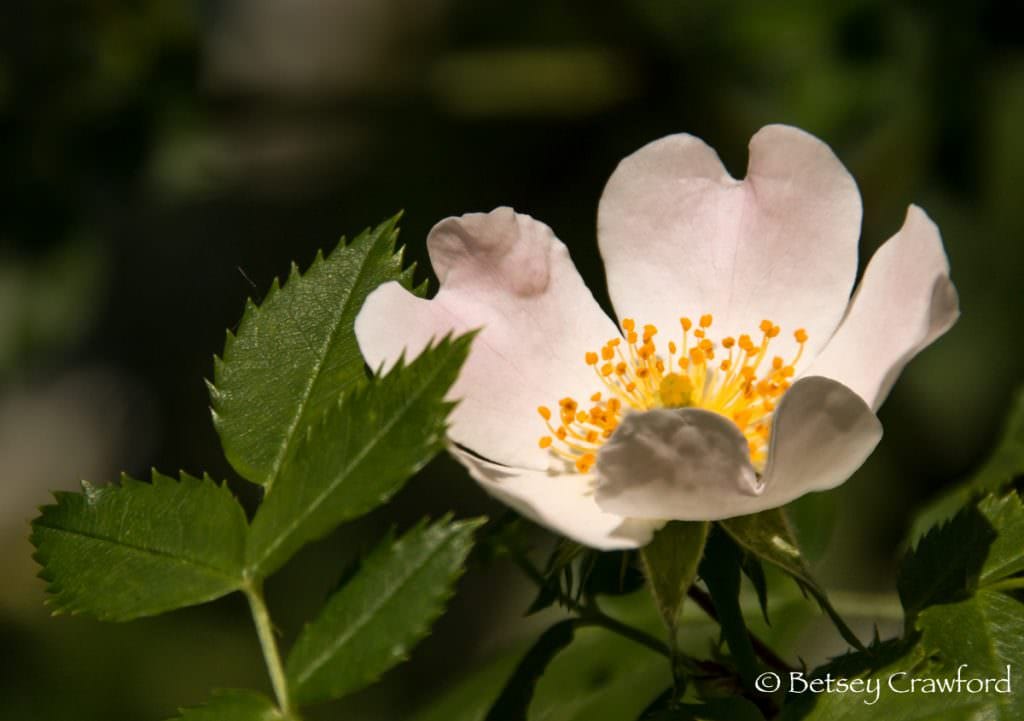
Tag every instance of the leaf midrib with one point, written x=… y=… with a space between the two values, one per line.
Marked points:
x=364 y=618
x=318 y=500
x=275 y=468
x=145 y=550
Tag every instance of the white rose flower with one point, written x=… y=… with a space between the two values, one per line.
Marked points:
x=741 y=376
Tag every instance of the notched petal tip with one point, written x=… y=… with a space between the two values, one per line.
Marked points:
x=512 y=248
x=686 y=464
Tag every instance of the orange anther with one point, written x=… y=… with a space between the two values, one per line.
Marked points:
x=686 y=323
x=545 y=442
x=628 y=324
x=728 y=342
x=596 y=397
x=766 y=326
x=705 y=320
x=697 y=356
x=606 y=369
x=591 y=359
x=801 y=336
x=607 y=353
x=545 y=412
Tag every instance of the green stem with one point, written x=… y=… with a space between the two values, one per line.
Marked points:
x=271 y=656
x=593 y=616
x=763 y=650
x=590 y=614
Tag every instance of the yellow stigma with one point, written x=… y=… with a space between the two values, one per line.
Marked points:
x=744 y=384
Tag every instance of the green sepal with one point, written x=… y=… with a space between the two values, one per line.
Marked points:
x=670 y=564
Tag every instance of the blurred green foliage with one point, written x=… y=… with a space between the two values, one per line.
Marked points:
x=142 y=171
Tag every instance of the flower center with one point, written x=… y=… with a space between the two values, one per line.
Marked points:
x=736 y=378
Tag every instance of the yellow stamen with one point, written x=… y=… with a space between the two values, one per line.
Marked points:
x=744 y=387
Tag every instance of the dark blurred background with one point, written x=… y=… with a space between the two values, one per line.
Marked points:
x=160 y=161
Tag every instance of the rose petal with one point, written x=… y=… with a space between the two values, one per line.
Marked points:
x=821 y=433
x=507 y=274
x=686 y=464
x=904 y=302
x=681 y=237
x=691 y=465
x=562 y=502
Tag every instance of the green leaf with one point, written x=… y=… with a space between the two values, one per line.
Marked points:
x=139 y=549
x=946 y=564
x=358 y=455
x=514 y=700
x=768 y=536
x=233 y=706
x=670 y=564
x=294 y=354
x=720 y=570
x=371 y=624
x=982 y=632
x=1006 y=555
x=1005 y=464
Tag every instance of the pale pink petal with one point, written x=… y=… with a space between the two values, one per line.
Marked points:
x=681 y=237
x=685 y=464
x=821 y=433
x=562 y=502
x=904 y=302
x=508 y=275
x=690 y=464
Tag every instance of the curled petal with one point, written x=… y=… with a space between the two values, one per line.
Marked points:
x=689 y=464
x=508 y=275
x=680 y=236
x=562 y=502
x=685 y=464
x=904 y=302
x=822 y=432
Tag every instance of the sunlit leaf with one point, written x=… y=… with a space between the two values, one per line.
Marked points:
x=138 y=549
x=296 y=352
x=372 y=623
x=358 y=454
